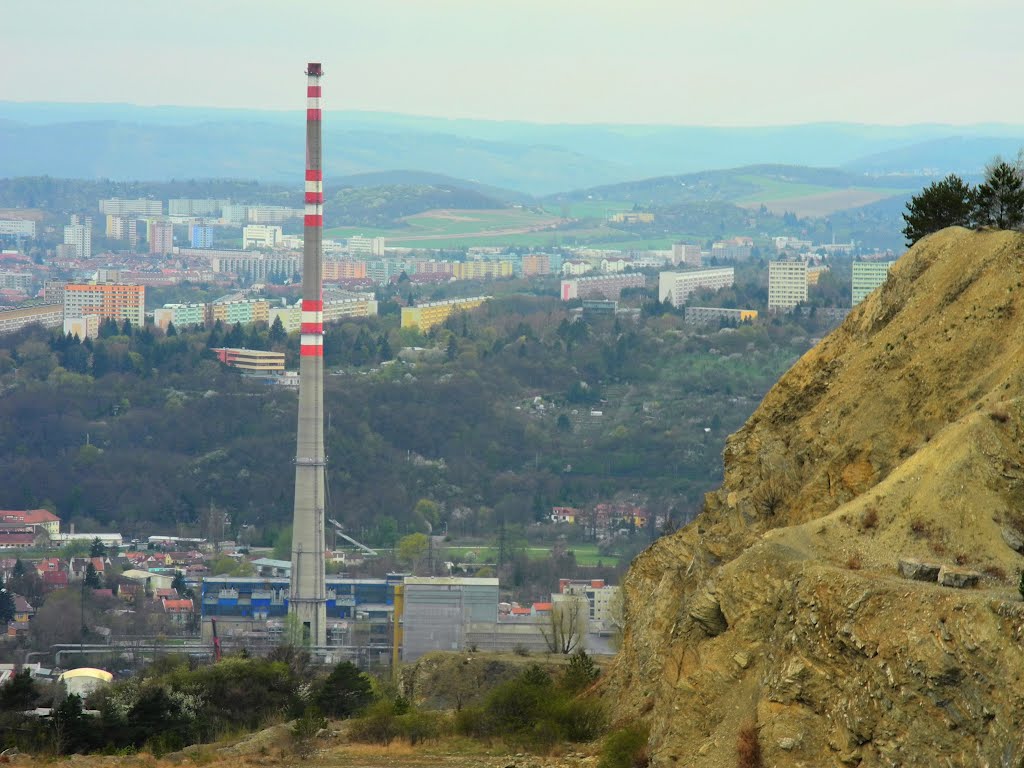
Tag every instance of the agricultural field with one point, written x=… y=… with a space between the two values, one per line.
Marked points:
x=780 y=196
x=457 y=228
x=586 y=554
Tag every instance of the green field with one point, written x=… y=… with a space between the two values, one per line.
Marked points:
x=588 y=209
x=586 y=554
x=457 y=228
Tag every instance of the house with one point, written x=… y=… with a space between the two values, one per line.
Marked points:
x=42 y=519
x=23 y=613
x=564 y=514
x=179 y=611
x=79 y=566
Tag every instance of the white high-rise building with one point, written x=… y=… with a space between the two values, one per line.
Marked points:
x=676 y=287
x=867 y=276
x=79 y=235
x=787 y=284
x=260 y=236
x=140 y=207
x=17 y=228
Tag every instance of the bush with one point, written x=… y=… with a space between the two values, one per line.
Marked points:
x=473 y=722
x=305 y=730
x=419 y=726
x=748 y=747
x=580 y=673
x=625 y=748
x=378 y=725
x=345 y=691
x=581 y=719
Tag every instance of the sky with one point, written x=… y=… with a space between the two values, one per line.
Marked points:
x=683 y=62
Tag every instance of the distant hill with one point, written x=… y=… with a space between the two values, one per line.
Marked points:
x=423 y=178
x=122 y=141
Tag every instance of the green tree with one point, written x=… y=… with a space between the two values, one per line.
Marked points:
x=19 y=693
x=92 y=577
x=580 y=673
x=171 y=330
x=344 y=692
x=7 y=607
x=412 y=548
x=278 y=335
x=999 y=200
x=941 y=204
x=97 y=548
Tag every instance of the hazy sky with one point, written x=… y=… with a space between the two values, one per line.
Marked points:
x=717 y=62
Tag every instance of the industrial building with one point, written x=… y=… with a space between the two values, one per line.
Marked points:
x=867 y=276
x=426 y=316
x=436 y=612
x=677 y=287
x=251 y=360
x=787 y=284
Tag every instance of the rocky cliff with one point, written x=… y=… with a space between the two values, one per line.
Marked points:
x=898 y=437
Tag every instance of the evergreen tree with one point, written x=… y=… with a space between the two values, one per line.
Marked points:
x=999 y=200
x=278 y=335
x=92 y=577
x=126 y=329
x=6 y=605
x=19 y=569
x=946 y=203
x=171 y=330
x=345 y=691
x=97 y=548
x=384 y=348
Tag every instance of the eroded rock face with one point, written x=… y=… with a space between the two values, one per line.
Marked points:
x=821 y=617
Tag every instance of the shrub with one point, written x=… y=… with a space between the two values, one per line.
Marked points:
x=581 y=719
x=345 y=691
x=869 y=519
x=853 y=562
x=378 y=725
x=305 y=730
x=419 y=726
x=1020 y=585
x=748 y=747
x=473 y=722
x=625 y=748
x=580 y=673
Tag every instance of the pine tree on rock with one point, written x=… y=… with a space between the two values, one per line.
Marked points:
x=999 y=200
x=946 y=203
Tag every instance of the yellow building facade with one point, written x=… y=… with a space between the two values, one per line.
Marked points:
x=426 y=316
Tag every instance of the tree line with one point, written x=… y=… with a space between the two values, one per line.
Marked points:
x=997 y=202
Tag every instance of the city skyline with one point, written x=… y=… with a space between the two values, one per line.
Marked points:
x=731 y=63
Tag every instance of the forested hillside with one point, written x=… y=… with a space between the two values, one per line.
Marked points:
x=143 y=432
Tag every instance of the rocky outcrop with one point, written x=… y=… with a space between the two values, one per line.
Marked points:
x=885 y=451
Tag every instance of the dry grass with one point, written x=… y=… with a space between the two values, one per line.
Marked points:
x=853 y=562
x=869 y=519
x=748 y=747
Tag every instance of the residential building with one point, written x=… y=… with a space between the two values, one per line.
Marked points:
x=787 y=284
x=232 y=311
x=426 y=316
x=677 y=287
x=17 y=228
x=260 y=236
x=536 y=264
x=84 y=327
x=365 y=246
x=16 y=281
x=48 y=315
x=382 y=270
x=178 y=610
x=686 y=254
x=194 y=207
x=713 y=315
x=123 y=228
x=200 y=236
x=601 y=286
x=42 y=519
x=114 y=301
x=161 y=237
x=343 y=269
x=139 y=207
x=234 y=214
x=601 y=602
x=734 y=249
x=867 y=276
x=576 y=267
x=481 y=270
x=78 y=235
x=258 y=267
x=814 y=273
x=271 y=214
x=336 y=308
x=252 y=360
x=614 y=264
x=182 y=315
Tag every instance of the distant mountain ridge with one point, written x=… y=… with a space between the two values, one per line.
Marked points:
x=122 y=141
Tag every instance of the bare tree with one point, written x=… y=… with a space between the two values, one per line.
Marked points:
x=566 y=624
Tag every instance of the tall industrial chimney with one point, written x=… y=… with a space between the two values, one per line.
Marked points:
x=308 y=599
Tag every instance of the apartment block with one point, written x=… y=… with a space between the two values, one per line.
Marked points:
x=426 y=316
x=271 y=214
x=85 y=327
x=787 y=284
x=734 y=249
x=200 y=236
x=713 y=315
x=47 y=315
x=194 y=207
x=260 y=236
x=366 y=246
x=536 y=264
x=113 y=301
x=16 y=281
x=182 y=315
x=867 y=276
x=17 y=228
x=686 y=254
x=336 y=308
x=481 y=270
x=257 y=267
x=161 y=238
x=601 y=286
x=242 y=311
x=343 y=269
x=677 y=287
x=78 y=235
x=139 y=207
